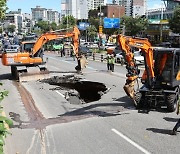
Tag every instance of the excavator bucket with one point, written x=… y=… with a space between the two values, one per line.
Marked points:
x=23 y=73
x=83 y=62
x=129 y=89
x=33 y=76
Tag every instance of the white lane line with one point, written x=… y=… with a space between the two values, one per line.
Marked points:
x=70 y=63
x=130 y=141
x=60 y=94
x=32 y=142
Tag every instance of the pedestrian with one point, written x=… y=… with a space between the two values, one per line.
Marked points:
x=112 y=62
x=108 y=58
x=174 y=131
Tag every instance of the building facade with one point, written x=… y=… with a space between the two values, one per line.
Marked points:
x=132 y=7
x=39 y=13
x=44 y=14
x=79 y=8
x=53 y=16
x=158 y=30
x=14 y=18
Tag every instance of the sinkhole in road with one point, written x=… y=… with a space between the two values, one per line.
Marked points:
x=78 y=90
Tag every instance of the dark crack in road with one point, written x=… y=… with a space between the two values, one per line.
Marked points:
x=86 y=91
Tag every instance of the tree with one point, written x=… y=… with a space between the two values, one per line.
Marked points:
x=174 y=22
x=68 y=21
x=92 y=32
x=11 y=28
x=3 y=8
x=43 y=25
x=53 y=26
x=134 y=26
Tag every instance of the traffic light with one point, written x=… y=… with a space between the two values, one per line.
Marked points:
x=100 y=29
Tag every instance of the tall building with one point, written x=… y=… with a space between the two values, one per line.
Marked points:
x=94 y=4
x=14 y=18
x=53 y=16
x=79 y=8
x=139 y=7
x=39 y=13
x=133 y=7
x=44 y=14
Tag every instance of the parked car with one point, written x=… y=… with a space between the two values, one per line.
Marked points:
x=12 y=48
x=164 y=44
x=109 y=45
x=93 y=45
x=138 y=57
x=85 y=50
x=120 y=59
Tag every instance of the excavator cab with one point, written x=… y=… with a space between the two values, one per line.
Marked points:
x=166 y=67
x=165 y=88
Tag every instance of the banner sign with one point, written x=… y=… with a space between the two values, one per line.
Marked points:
x=83 y=25
x=111 y=23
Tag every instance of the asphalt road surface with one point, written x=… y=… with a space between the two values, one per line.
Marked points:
x=46 y=122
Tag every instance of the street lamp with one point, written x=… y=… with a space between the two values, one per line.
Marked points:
x=100 y=14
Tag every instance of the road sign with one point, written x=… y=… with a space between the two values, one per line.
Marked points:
x=111 y=23
x=100 y=29
x=83 y=25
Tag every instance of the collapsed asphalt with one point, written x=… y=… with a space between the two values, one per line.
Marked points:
x=78 y=89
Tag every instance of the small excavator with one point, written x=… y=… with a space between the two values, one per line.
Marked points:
x=21 y=61
x=160 y=79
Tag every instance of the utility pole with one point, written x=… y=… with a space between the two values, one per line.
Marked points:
x=100 y=26
x=161 y=26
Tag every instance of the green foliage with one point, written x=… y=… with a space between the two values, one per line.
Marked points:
x=43 y=25
x=11 y=28
x=67 y=21
x=134 y=26
x=92 y=32
x=174 y=22
x=3 y=122
x=3 y=8
x=3 y=94
x=53 y=26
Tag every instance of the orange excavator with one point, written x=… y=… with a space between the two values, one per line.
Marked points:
x=160 y=79
x=21 y=61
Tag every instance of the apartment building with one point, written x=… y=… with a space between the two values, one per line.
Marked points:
x=79 y=8
x=14 y=18
x=44 y=14
x=133 y=7
x=39 y=13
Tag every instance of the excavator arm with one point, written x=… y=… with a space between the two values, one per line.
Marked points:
x=126 y=42
x=73 y=33
x=57 y=35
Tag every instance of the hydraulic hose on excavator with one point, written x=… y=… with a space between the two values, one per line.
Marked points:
x=126 y=42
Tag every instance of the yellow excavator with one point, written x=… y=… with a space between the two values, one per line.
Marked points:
x=161 y=76
x=21 y=61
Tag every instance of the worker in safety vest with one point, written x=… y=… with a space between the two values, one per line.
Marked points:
x=112 y=62
x=108 y=58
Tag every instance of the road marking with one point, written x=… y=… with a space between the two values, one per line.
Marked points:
x=130 y=141
x=70 y=62
x=60 y=94
x=32 y=141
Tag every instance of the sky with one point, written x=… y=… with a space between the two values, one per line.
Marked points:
x=26 y=5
